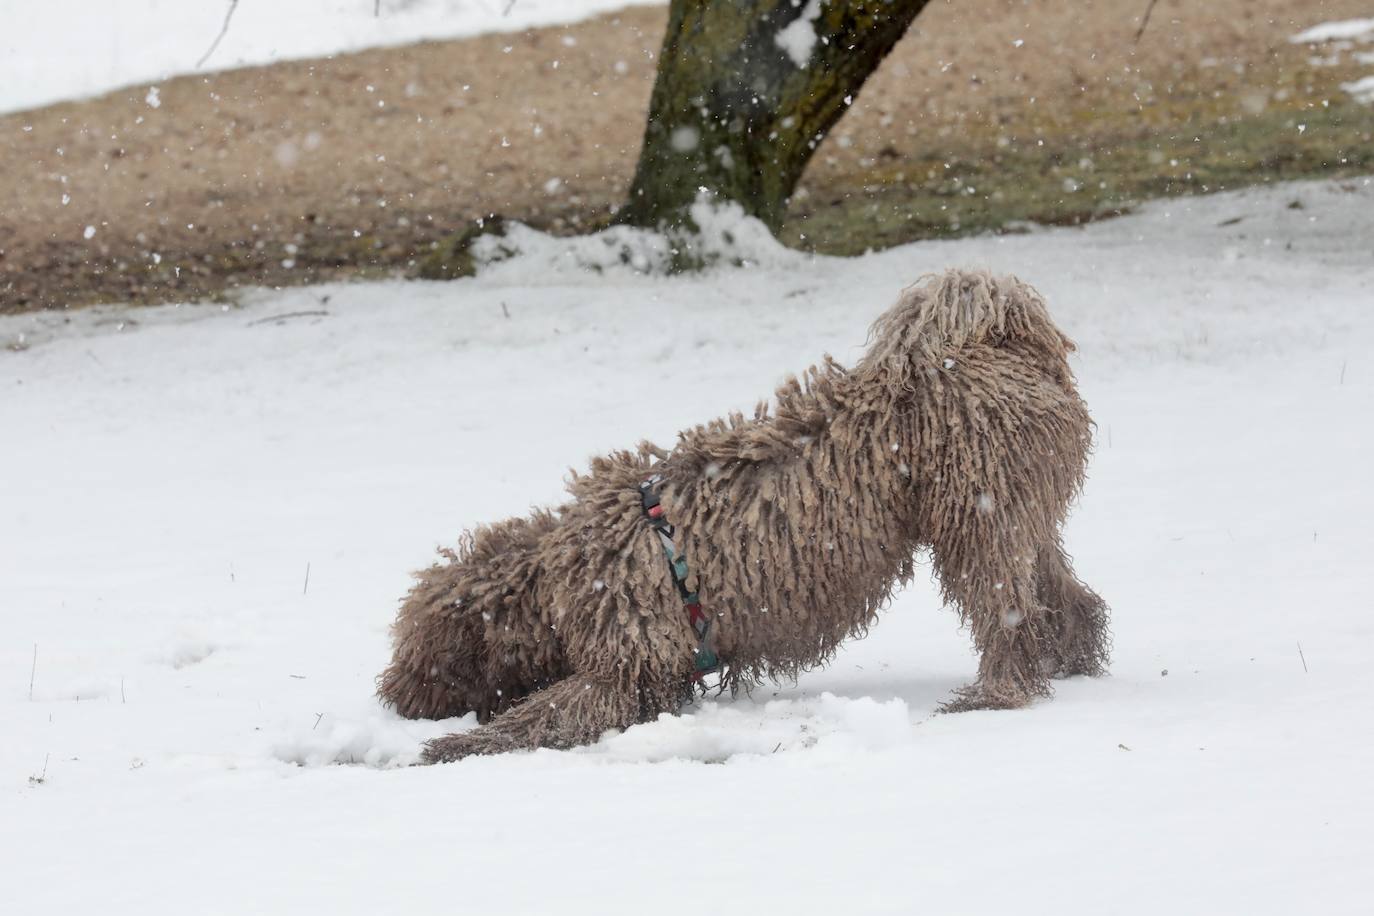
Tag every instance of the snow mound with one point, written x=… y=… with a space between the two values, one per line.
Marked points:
x=713 y=733
x=720 y=732
x=190 y=651
x=724 y=236
x=377 y=741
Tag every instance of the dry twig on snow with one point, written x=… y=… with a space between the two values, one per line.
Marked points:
x=1145 y=20
x=223 y=30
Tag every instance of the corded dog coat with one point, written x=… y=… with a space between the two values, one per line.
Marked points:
x=960 y=431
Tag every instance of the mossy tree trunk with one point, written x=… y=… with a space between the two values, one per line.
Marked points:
x=745 y=94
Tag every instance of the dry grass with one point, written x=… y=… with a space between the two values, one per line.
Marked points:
x=358 y=165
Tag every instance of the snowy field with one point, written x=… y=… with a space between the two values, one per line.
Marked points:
x=61 y=49
x=209 y=514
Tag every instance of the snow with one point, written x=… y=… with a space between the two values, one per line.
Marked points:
x=65 y=49
x=1362 y=89
x=798 y=37
x=684 y=139
x=208 y=513
x=724 y=235
x=1343 y=34
x=1343 y=30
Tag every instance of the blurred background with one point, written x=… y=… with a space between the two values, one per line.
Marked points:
x=159 y=150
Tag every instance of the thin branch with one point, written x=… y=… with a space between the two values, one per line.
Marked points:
x=223 y=30
x=315 y=313
x=42 y=777
x=33 y=670
x=1145 y=21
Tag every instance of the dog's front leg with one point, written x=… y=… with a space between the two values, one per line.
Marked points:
x=987 y=570
x=1013 y=643
x=576 y=710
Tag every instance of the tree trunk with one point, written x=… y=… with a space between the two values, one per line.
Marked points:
x=744 y=95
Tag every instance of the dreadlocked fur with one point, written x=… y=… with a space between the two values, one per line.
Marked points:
x=959 y=431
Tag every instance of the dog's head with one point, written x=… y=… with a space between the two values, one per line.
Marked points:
x=941 y=315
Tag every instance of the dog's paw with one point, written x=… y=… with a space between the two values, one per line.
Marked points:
x=1081 y=666
x=467 y=744
x=976 y=696
x=447 y=749
x=1084 y=657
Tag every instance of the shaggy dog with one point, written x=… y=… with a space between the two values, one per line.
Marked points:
x=960 y=431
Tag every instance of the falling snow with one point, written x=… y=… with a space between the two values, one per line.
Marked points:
x=798 y=38
x=684 y=139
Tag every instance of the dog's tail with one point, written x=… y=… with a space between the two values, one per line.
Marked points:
x=943 y=313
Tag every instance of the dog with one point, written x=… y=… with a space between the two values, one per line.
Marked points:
x=759 y=544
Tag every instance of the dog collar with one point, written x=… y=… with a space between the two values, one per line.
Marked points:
x=705 y=660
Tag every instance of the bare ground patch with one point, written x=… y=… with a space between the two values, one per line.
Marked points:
x=988 y=113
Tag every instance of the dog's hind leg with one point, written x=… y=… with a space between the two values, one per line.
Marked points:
x=469 y=636
x=433 y=638
x=573 y=711
x=1082 y=641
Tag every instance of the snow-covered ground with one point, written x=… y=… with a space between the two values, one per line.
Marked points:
x=53 y=50
x=171 y=476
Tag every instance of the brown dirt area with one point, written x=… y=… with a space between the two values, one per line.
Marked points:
x=358 y=165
